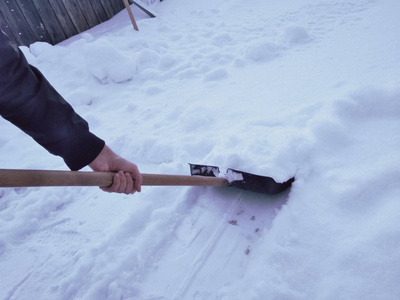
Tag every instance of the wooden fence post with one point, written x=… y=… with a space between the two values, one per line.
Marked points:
x=128 y=8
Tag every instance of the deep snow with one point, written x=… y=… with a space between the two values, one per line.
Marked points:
x=309 y=88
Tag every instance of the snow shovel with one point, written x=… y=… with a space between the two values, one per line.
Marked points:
x=243 y=180
x=201 y=176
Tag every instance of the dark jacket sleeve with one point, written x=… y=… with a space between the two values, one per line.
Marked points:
x=29 y=101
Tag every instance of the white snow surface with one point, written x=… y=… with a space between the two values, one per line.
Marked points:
x=304 y=88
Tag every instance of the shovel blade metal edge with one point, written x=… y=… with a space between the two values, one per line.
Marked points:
x=204 y=170
x=243 y=180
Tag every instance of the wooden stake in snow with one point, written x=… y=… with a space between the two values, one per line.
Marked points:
x=128 y=8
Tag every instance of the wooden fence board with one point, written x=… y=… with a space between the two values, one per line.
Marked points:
x=33 y=19
x=28 y=21
x=5 y=27
x=50 y=21
x=89 y=14
x=117 y=6
x=107 y=8
x=63 y=17
x=76 y=15
x=17 y=23
x=99 y=10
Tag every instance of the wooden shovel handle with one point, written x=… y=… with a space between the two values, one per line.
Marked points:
x=29 y=178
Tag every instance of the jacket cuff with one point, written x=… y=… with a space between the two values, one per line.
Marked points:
x=84 y=152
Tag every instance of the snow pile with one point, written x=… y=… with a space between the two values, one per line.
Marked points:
x=306 y=88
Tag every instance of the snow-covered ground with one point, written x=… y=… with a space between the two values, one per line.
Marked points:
x=305 y=88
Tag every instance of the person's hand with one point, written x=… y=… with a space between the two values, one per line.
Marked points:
x=127 y=180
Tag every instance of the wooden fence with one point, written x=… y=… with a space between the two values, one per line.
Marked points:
x=52 y=21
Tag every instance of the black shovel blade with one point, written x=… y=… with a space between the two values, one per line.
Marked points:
x=243 y=180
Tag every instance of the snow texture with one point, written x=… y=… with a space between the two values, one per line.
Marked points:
x=304 y=88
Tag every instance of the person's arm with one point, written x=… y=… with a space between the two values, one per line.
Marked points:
x=29 y=101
